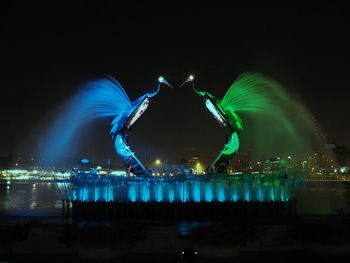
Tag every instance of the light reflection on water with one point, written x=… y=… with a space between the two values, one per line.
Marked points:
x=29 y=196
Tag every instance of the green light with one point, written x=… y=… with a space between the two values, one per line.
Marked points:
x=201 y=93
x=271 y=116
x=232 y=145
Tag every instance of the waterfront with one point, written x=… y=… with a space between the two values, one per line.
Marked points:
x=33 y=230
x=33 y=197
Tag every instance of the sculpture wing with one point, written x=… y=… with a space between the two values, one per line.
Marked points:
x=232 y=145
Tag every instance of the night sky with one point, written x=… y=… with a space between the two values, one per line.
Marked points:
x=48 y=52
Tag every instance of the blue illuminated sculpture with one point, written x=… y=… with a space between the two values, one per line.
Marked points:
x=123 y=122
x=100 y=98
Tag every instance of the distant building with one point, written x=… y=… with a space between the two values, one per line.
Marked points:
x=195 y=164
x=240 y=162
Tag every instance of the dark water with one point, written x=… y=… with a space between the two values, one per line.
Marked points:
x=42 y=198
x=323 y=198
x=29 y=198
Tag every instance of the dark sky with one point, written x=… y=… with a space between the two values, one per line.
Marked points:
x=48 y=52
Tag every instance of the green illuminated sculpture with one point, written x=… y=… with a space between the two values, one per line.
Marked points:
x=226 y=116
x=266 y=103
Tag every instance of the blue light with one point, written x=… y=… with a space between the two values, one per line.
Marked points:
x=99 y=196
x=246 y=192
x=163 y=80
x=259 y=194
x=132 y=193
x=208 y=193
x=179 y=191
x=234 y=197
x=160 y=192
x=96 y=99
x=272 y=194
x=171 y=193
x=145 y=193
x=196 y=194
x=221 y=193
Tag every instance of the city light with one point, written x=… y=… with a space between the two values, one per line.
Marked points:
x=199 y=168
x=16 y=171
x=157 y=162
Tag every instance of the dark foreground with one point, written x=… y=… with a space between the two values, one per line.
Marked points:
x=163 y=258
x=184 y=210
x=243 y=238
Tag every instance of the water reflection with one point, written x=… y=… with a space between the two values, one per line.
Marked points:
x=29 y=196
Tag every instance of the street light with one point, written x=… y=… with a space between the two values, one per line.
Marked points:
x=157 y=162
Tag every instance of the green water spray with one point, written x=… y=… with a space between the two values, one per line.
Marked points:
x=274 y=122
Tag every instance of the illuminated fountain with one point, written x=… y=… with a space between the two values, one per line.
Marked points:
x=227 y=119
x=276 y=187
x=275 y=123
x=269 y=116
x=97 y=99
